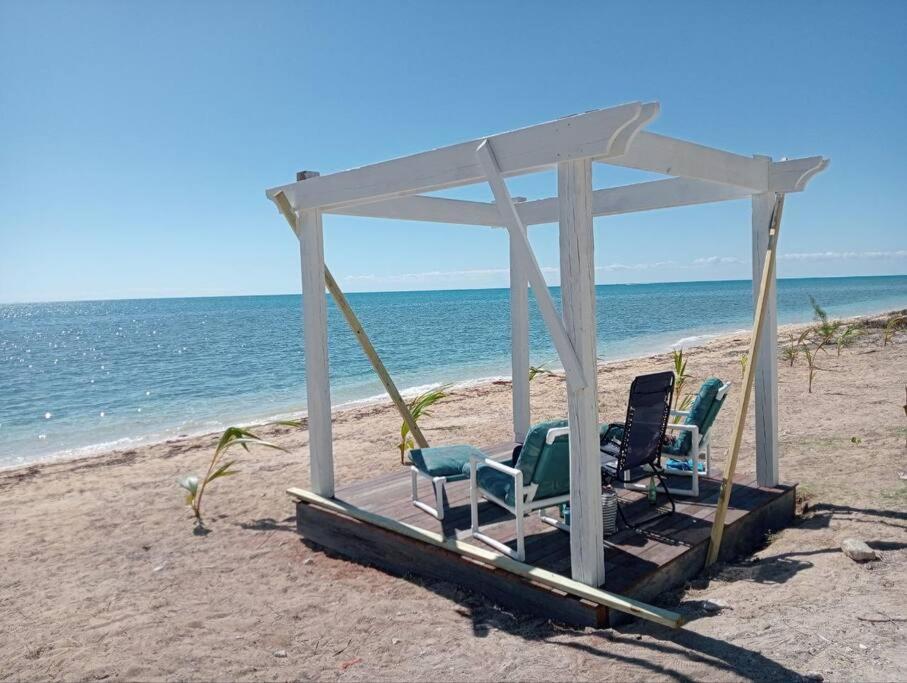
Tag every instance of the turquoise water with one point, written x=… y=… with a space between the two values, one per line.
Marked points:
x=87 y=376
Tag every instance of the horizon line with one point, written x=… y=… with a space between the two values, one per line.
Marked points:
x=419 y=291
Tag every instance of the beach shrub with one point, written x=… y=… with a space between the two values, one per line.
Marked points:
x=419 y=407
x=743 y=360
x=218 y=468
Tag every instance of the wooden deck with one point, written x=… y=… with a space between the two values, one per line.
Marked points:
x=637 y=564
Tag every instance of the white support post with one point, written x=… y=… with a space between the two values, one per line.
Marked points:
x=315 y=324
x=766 y=405
x=519 y=340
x=574 y=190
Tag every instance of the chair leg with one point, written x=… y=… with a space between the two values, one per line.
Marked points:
x=438 y=489
x=473 y=499
x=653 y=518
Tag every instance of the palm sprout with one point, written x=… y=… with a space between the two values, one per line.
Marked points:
x=680 y=379
x=891 y=327
x=232 y=436
x=826 y=329
x=791 y=351
x=419 y=407
x=811 y=352
x=848 y=336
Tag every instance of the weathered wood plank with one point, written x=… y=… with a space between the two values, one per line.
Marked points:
x=315 y=325
x=574 y=191
x=766 y=396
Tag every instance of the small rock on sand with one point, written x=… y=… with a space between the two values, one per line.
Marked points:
x=814 y=676
x=857 y=550
x=280 y=653
x=714 y=605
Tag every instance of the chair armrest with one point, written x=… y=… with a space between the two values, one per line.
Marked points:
x=680 y=413
x=722 y=392
x=683 y=428
x=555 y=432
x=495 y=465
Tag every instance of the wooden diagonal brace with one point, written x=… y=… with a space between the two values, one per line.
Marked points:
x=287 y=212
x=727 y=483
x=514 y=225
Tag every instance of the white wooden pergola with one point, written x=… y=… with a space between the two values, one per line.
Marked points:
x=394 y=189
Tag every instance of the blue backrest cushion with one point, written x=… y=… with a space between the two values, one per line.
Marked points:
x=703 y=412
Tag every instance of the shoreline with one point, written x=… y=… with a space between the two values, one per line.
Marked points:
x=382 y=402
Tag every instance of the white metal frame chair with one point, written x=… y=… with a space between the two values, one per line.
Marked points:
x=524 y=501
x=437 y=484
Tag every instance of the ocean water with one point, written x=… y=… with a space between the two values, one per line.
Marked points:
x=84 y=376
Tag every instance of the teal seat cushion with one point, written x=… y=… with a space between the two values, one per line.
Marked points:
x=498 y=484
x=451 y=462
x=703 y=412
x=543 y=464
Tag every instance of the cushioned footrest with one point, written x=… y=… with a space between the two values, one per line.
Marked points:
x=451 y=462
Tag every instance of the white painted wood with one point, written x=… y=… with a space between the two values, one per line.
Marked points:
x=574 y=189
x=793 y=175
x=519 y=339
x=671 y=156
x=766 y=398
x=519 y=237
x=593 y=134
x=784 y=176
x=315 y=326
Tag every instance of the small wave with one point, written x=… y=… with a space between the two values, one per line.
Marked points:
x=693 y=340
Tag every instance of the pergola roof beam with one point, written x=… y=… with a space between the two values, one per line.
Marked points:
x=600 y=134
x=672 y=156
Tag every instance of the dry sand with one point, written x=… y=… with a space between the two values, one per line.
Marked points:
x=103 y=578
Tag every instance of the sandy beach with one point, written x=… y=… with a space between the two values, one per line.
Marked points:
x=103 y=577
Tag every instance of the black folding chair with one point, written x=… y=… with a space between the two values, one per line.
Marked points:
x=631 y=449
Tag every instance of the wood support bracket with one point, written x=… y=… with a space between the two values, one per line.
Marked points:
x=513 y=223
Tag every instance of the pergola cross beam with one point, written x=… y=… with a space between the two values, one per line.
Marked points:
x=784 y=177
x=602 y=134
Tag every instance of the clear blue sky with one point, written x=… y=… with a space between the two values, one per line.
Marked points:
x=136 y=140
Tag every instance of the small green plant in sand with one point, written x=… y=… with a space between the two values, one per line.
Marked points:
x=891 y=326
x=826 y=330
x=791 y=350
x=536 y=370
x=811 y=352
x=743 y=360
x=847 y=338
x=680 y=380
x=419 y=407
x=219 y=467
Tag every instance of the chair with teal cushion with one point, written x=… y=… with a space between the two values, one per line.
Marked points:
x=439 y=465
x=690 y=451
x=539 y=479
